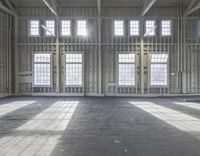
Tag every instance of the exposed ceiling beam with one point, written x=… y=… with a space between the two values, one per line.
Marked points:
x=191 y=8
x=51 y=4
x=5 y=9
x=10 y=6
x=147 y=5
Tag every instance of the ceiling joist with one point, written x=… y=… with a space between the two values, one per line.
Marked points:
x=192 y=7
x=51 y=4
x=147 y=5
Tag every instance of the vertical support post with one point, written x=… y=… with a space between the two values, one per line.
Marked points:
x=184 y=57
x=57 y=56
x=142 y=65
x=99 y=20
x=16 y=57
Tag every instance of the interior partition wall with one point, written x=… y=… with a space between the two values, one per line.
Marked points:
x=100 y=51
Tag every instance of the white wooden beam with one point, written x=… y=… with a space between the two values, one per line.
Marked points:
x=10 y=6
x=192 y=9
x=147 y=5
x=5 y=9
x=51 y=4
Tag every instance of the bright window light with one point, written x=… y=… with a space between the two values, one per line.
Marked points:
x=65 y=28
x=74 y=69
x=166 y=28
x=159 y=69
x=118 y=28
x=150 y=28
x=34 y=28
x=126 y=69
x=134 y=28
x=82 y=28
x=42 y=70
x=50 y=25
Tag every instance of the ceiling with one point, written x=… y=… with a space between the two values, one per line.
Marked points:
x=94 y=2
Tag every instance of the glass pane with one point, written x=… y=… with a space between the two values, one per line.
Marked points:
x=82 y=28
x=119 y=28
x=42 y=74
x=134 y=27
x=159 y=58
x=126 y=58
x=127 y=74
x=73 y=74
x=158 y=74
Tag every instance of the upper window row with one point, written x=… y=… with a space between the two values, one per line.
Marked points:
x=49 y=27
x=150 y=28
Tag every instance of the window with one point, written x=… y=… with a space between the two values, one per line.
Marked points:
x=150 y=28
x=74 y=69
x=159 y=69
x=166 y=28
x=65 y=28
x=42 y=69
x=119 y=28
x=126 y=69
x=82 y=28
x=34 y=27
x=134 y=28
x=50 y=28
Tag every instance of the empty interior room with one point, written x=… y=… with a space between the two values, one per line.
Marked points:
x=99 y=77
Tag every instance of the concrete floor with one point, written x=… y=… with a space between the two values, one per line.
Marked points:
x=99 y=127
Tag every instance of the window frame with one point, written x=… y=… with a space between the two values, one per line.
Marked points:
x=45 y=31
x=77 y=28
x=33 y=73
x=150 y=73
x=117 y=73
x=171 y=28
x=29 y=28
x=82 y=63
x=69 y=28
x=145 y=28
x=113 y=28
x=139 y=29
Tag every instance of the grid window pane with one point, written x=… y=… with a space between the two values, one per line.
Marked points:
x=74 y=58
x=166 y=28
x=119 y=28
x=159 y=74
x=127 y=74
x=82 y=28
x=126 y=69
x=126 y=58
x=159 y=58
x=42 y=74
x=74 y=69
x=73 y=74
x=150 y=28
x=34 y=28
x=134 y=28
x=65 y=28
x=50 y=25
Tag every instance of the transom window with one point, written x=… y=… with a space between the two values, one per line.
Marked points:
x=74 y=69
x=34 y=27
x=126 y=69
x=159 y=69
x=134 y=28
x=50 y=26
x=41 y=69
x=82 y=28
x=150 y=28
x=166 y=28
x=118 y=28
x=65 y=28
